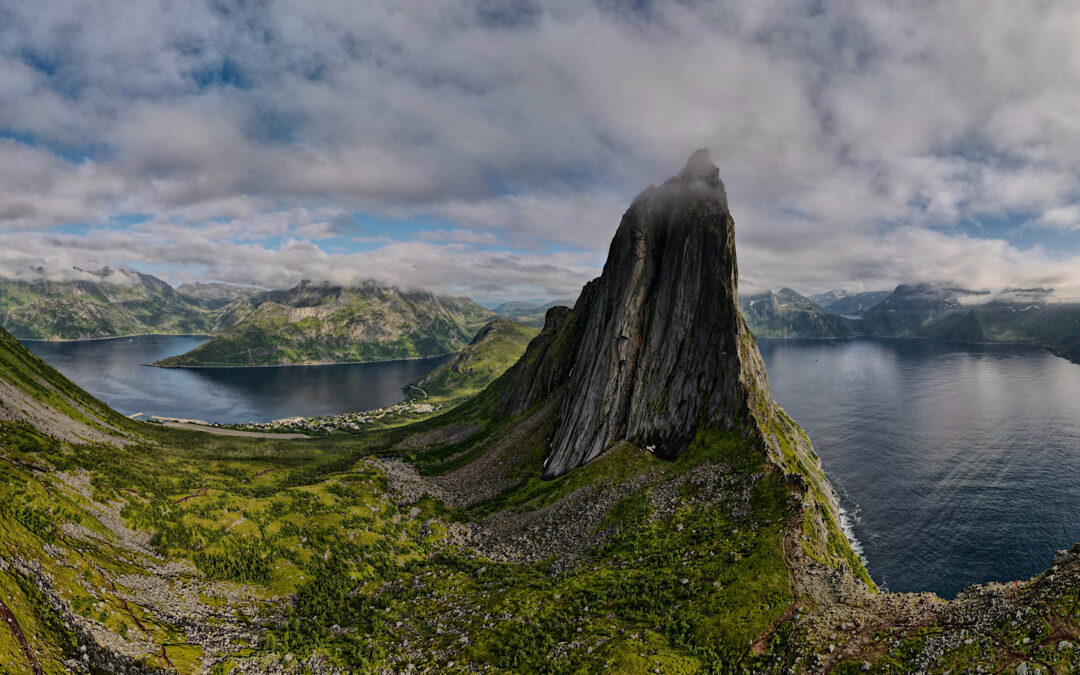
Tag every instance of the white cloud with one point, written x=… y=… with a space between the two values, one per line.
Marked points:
x=850 y=135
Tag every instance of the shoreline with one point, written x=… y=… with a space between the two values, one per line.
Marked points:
x=1032 y=345
x=114 y=337
x=301 y=365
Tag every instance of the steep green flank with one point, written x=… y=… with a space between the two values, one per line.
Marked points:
x=318 y=323
x=495 y=348
x=34 y=393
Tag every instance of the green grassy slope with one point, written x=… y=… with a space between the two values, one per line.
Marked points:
x=496 y=347
x=376 y=580
x=33 y=392
x=186 y=552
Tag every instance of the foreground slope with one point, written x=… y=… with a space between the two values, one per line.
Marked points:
x=323 y=323
x=441 y=548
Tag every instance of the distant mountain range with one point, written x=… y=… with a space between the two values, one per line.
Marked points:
x=311 y=323
x=109 y=303
x=788 y=314
x=849 y=304
x=937 y=311
x=214 y=295
x=323 y=323
x=530 y=312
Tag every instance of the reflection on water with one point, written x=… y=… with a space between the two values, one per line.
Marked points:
x=959 y=463
x=113 y=371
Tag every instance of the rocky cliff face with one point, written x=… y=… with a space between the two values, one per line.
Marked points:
x=655 y=347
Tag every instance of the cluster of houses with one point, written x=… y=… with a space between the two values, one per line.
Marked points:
x=354 y=421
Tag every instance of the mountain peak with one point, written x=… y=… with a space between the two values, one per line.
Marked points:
x=655 y=347
x=699 y=178
x=700 y=168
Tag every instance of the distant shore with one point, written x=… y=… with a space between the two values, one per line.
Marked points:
x=114 y=337
x=300 y=365
x=1034 y=345
x=234 y=432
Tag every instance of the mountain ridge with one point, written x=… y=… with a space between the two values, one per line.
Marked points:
x=315 y=323
x=137 y=304
x=787 y=313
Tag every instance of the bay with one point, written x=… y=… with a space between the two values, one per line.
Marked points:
x=113 y=370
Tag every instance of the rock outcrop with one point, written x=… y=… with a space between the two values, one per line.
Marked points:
x=655 y=347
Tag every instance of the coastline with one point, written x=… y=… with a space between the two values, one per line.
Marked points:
x=864 y=336
x=114 y=337
x=302 y=365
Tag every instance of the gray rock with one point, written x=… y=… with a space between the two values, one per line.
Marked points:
x=655 y=346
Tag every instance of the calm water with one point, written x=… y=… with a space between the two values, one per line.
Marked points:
x=958 y=464
x=112 y=370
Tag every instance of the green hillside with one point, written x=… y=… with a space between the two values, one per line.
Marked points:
x=382 y=575
x=320 y=323
x=116 y=304
x=496 y=347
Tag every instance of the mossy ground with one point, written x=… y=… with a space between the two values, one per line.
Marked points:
x=313 y=519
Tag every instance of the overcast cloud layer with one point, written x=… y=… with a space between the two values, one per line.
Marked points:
x=489 y=148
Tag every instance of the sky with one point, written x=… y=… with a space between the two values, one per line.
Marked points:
x=489 y=147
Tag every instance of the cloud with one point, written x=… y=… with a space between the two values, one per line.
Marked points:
x=1060 y=218
x=459 y=235
x=858 y=140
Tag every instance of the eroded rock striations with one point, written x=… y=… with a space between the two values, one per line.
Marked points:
x=654 y=347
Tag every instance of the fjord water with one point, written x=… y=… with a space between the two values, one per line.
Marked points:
x=113 y=371
x=957 y=463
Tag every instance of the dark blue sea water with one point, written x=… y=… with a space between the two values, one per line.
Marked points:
x=956 y=463
x=113 y=371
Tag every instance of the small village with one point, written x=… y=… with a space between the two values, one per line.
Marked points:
x=347 y=422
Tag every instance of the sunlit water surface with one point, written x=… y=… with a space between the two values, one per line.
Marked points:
x=957 y=463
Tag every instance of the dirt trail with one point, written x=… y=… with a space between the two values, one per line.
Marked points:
x=6 y=616
x=201 y=492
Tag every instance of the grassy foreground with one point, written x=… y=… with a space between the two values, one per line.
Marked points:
x=163 y=550
x=682 y=583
